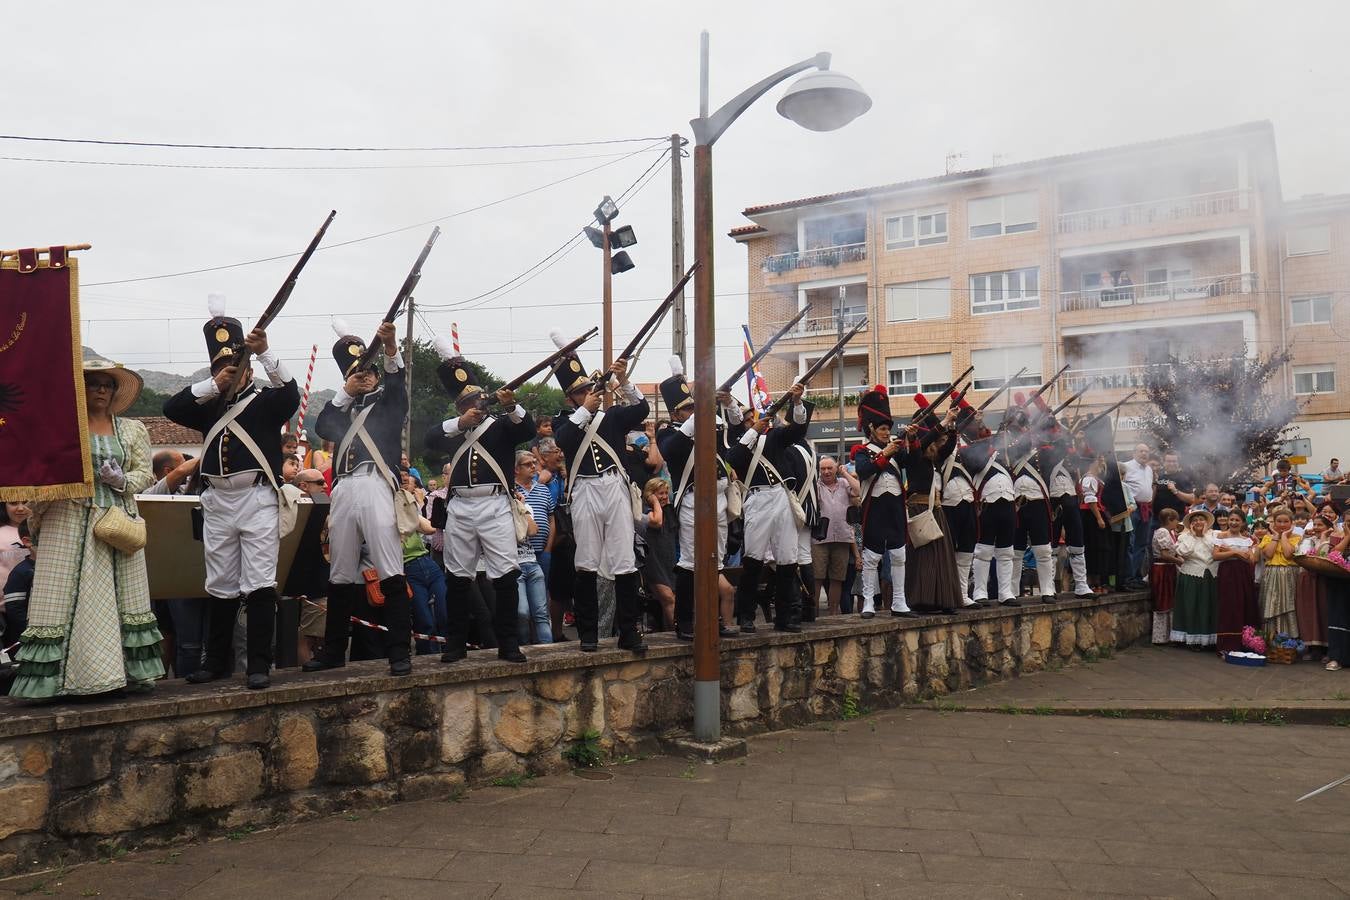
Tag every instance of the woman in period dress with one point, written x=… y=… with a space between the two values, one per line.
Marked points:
x=931 y=579
x=1279 y=582
x=1162 y=578
x=1310 y=595
x=1194 y=613
x=1096 y=528
x=90 y=627
x=1236 y=552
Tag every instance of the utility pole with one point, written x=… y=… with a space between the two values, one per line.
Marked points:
x=408 y=365
x=608 y=282
x=676 y=245
x=843 y=290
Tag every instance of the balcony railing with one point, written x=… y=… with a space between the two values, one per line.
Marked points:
x=1173 y=291
x=828 y=397
x=1116 y=377
x=820 y=256
x=820 y=326
x=1151 y=212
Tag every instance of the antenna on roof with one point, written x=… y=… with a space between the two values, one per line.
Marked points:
x=1002 y=159
x=952 y=158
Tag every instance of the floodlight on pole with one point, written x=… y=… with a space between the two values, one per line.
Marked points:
x=624 y=237
x=596 y=237
x=606 y=211
x=620 y=262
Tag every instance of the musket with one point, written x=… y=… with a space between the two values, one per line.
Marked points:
x=1065 y=405
x=551 y=361
x=930 y=409
x=761 y=352
x=409 y=285
x=1045 y=387
x=819 y=364
x=1106 y=412
x=1001 y=388
x=644 y=334
x=243 y=354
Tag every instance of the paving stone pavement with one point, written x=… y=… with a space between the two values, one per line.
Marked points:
x=1169 y=678
x=915 y=803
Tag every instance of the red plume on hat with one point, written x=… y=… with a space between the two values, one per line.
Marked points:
x=920 y=401
x=874 y=408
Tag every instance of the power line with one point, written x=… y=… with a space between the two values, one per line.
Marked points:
x=186 y=146
x=229 y=168
x=371 y=237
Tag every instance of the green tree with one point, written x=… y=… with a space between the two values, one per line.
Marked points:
x=149 y=403
x=1221 y=414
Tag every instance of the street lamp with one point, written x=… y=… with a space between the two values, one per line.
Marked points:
x=821 y=101
x=608 y=240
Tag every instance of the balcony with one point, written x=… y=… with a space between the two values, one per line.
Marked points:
x=1125 y=378
x=820 y=256
x=1153 y=212
x=1171 y=291
x=828 y=397
x=821 y=327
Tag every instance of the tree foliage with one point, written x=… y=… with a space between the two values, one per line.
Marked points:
x=149 y=403
x=1222 y=414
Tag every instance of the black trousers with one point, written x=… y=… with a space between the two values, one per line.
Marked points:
x=504 y=611
x=1069 y=518
x=260 y=616
x=964 y=526
x=998 y=523
x=346 y=600
x=1033 y=524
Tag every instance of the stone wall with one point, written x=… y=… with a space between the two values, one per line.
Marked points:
x=80 y=780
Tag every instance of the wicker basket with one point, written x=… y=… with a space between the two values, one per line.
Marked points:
x=1321 y=566
x=1283 y=656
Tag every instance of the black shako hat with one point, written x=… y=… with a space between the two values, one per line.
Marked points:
x=224 y=336
x=675 y=389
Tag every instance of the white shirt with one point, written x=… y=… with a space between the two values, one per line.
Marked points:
x=1139 y=477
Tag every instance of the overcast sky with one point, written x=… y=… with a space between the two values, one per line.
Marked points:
x=1020 y=79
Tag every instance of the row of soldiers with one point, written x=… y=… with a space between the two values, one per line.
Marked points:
x=1000 y=493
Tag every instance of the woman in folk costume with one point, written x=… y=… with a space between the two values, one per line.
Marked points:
x=880 y=463
x=931 y=576
x=90 y=627
x=1195 y=608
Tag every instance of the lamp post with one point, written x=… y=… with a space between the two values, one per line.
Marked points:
x=821 y=101
x=607 y=239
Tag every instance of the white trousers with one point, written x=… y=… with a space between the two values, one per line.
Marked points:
x=480 y=527
x=239 y=533
x=770 y=530
x=686 y=560
x=602 y=524
x=803 y=544
x=362 y=530
x=872 y=584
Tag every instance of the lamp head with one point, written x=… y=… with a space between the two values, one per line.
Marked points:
x=624 y=237
x=620 y=262
x=606 y=211
x=595 y=236
x=824 y=100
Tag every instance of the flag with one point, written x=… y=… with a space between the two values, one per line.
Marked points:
x=44 y=438
x=755 y=384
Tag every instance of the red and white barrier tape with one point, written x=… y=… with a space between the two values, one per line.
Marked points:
x=417 y=635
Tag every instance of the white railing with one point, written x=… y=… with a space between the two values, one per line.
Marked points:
x=1113 y=378
x=1149 y=212
x=1174 y=291
x=818 y=256
x=820 y=326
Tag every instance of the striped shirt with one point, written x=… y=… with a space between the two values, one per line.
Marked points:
x=539 y=498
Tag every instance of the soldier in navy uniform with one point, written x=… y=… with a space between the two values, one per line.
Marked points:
x=997 y=519
x=677 y=448
x=770 y=529
x=880 y=462
x=799 y=470
x=240 y=472
x=365 y=548
x=480 y=522
x=959 y=499
x=599 y=495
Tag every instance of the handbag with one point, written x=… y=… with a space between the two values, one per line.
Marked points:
x=522 y=517
x=853 y=515
x=821 y=530
x=407 y=514
x=924 y=528
x=120 y=531
x=736 y=491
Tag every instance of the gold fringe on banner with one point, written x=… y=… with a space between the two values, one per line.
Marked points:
x=72 y=491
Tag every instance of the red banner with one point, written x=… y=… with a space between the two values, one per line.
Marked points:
x=43 y=426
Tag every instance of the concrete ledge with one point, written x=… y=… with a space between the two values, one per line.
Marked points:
x=189 y=762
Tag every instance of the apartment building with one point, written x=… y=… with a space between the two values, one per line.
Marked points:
x=1106 y=261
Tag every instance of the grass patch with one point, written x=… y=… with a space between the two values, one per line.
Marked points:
x=690 y=772
x=1009 y=710
x=514 y=780
x=1241 y=716
x=1340 y=695
x=240 y=833
x=585 y=752
x=1042 y=710
x=1111 y=713
x=1341 y=722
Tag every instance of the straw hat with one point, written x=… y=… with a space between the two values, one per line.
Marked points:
x=1200 y=514
x=128 y=383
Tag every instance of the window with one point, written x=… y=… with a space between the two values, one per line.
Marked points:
x=916 y=228
x=912 y=374
x=997 y=364
x=1008 y=214
x=919 y=300
x=1319 y=379
x=1309 y=239
x=993 y=292
x=834 y=231
x=1311 y=310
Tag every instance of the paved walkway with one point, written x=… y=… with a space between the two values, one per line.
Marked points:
x=1169 y=680
x=918 y=802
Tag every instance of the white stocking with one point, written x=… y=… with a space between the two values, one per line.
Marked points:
x=871 y=561
x=1003 y=562
x=979 y=570
x=963 y=561
x=898 y=603
x=1045 y=569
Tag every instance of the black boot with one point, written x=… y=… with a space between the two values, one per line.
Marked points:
x=260 y=610
x=505 y=617
x=627 y=610
x=586 y=608
x=747 y=591
x=219 y=642
x=457 y=599
x=337 y=627
x=810 y=601
x=684 y=604
x=786 y=599
x=398 y=619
